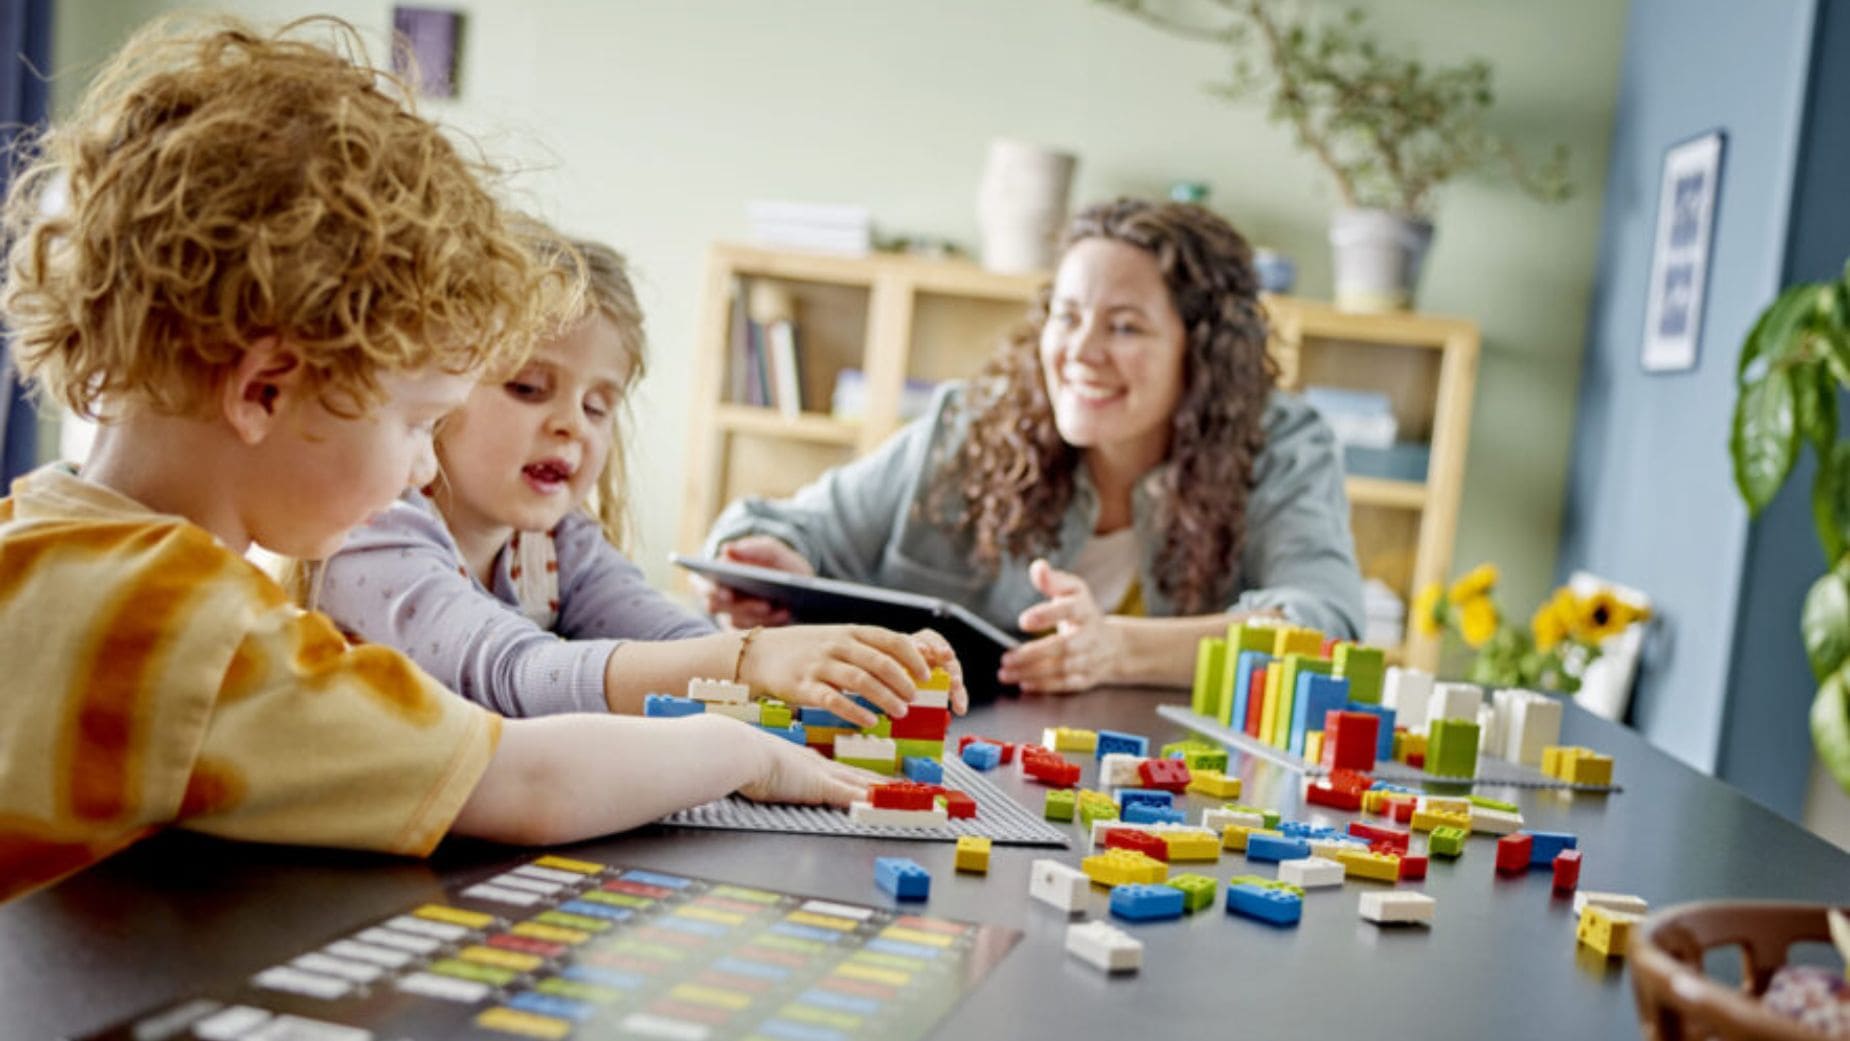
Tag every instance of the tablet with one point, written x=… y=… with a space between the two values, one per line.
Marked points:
x=979 y=644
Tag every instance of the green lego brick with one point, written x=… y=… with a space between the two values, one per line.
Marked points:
x=1451 y=748
x=1184 y=746
x=1364 y=668
x=1494 y=804
x=1197 y=891
x=774 y=714
x=1269 y=883
x=1446 y=841
x=1096 y=806
x=1271 y=816
x=1210 y=663
x=908 y=747
x=1244 y=637
x=882 y=728
x=1060 y=803
x=879 y=766
x=1205 y=759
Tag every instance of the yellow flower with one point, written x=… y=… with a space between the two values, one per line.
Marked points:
x=1548 y=626
x=1474 y=583
x=1477 y=621
x=1603 y=614
x=1426 y=610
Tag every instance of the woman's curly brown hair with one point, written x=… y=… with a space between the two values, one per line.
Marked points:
x=217 y=185
x=1007 y=486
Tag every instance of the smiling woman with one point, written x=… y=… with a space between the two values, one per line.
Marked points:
x=1122 y=476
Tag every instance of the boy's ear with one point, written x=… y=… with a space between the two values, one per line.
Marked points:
x=256 y=389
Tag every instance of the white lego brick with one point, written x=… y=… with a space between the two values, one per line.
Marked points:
x=1062 y=885
x=1329 y=848
x=1489 y=732
x=1443 y=804
x=864 y=746
x=1119 y=770
x=932 y=698
x=1387 y=906
x=1407 y=692
x=1104 y=947
x=747 y=711
x=867 y=813
x=1535 y=725
x=711 y=690
x=1217 y=818
x=1486 y=821
x=1311 y=872
x=1624 y=903
x=1454 y=701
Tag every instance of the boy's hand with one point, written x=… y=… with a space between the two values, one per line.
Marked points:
x=1083 y=647
x=743 y=610
x=823 y=665
x=792 y=773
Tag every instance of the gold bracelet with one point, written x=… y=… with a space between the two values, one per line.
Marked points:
x=738 y=664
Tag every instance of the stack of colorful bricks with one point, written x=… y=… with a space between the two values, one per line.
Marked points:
x=725 y=698
x=1279 y=684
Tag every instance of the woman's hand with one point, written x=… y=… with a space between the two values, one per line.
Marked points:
x=746 y=611
x=825 y=665
x=1084 y=646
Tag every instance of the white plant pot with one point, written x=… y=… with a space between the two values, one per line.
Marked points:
x=1021 y=205
x=1378 y=256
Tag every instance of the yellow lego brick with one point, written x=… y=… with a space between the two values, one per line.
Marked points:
x=455 y=916
x=582 y=867
x=1382 y=867
x=1191 y=845
x=1396 y=751
x=1215 y=784
x=500 y=958
x=1116 y=867
x=1268 y=713
x=938 y=680
x=1438 y=804
x=1234 y=836
x=1290 y=639
x=1427 y=820
x=1608 y=932
x=973 y=854
x=1407 y=745
x=716 y=997
x=525 y=1024
x=1071 y=739
x=1313 y=746
x=1592 y=769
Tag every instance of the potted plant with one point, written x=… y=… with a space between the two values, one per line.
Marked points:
x=1388 y=129
x=1793 y=366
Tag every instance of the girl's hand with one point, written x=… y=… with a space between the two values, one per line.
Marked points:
x=794 y=774
x=1083 y=647
x=822 y=665
x=747 y=611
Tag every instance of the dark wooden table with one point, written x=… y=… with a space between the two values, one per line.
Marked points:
x=181 y=914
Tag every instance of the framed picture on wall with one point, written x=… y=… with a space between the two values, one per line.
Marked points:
x=1686 y=197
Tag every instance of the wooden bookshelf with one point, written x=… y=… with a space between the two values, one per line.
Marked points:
x=897 y=318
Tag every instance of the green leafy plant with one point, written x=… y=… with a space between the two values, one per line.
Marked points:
x=1793 y=366
x=1389 y=129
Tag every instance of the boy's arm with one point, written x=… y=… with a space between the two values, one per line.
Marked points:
x=568 y=778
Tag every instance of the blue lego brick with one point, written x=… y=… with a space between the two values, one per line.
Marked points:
x=656 y=878
x=866 y=704
x=1277 y=906
x=795 y=733
x=1384 y=743
x=1385 y=786
x=1150 y=813
x=982 y=755
x=822 y=717
x=923 y=770
x=1128 y=797
x=1146 y=903
x=902 y=877
x=1110 y=741
x=667 y=706
x=1545 y=844
x=1307 y=830
x=552 y=1005
x=1243 y=682
x=1316 y=695
x=1276 y=848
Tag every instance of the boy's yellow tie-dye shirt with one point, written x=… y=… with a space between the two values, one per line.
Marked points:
x=152 y=676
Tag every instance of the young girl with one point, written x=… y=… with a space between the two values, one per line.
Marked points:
x=502 y=584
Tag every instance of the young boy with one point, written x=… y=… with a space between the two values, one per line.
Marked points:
x=270 y=278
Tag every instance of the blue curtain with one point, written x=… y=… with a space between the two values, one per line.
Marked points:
x=25 y=59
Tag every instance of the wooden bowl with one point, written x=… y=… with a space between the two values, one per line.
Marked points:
x=1677 y=1001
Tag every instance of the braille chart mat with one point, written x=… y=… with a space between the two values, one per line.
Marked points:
x=1490 y=770
x=561 y=948
x=998 y=817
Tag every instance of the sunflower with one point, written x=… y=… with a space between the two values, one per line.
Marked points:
x=1477 y=621
x=1603 y=614
x=1474 y=583
x=1548 y=626
x=1426 y=610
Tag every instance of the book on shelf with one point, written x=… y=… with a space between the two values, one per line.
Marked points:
x=767 y=357
x=780 y=338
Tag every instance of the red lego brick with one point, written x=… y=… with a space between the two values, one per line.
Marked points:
x=1417 y=760
x=922 y=724
x=1351 y=780
x=1321 y=794
x=1374 y=833
x=1350 y=740
x=902 y=795
x=1513 y=853
x=1567 y=870
x=1412 y=868
x=957 y=804
x=1169 y=775
x=1402 y=810
x=1255 y=701
x=1049 y=768
x=1141 y=841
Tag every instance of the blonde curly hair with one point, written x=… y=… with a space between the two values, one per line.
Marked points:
x=217 y=185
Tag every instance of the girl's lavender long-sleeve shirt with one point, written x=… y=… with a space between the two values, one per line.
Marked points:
x=400 y=581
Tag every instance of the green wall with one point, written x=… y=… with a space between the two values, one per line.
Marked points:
x=652 y=124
